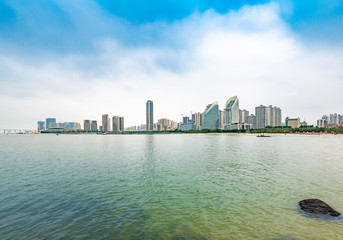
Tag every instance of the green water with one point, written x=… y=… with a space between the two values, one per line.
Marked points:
x=167 y=186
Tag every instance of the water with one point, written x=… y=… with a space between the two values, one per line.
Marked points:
x=201 y=186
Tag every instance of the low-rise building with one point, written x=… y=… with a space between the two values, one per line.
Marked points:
x=293 y=122
x=322 y=123
x=187 y=126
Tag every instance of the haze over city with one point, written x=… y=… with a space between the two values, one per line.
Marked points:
x=78 y=61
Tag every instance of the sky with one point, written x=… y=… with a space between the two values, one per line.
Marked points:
x=76 y=60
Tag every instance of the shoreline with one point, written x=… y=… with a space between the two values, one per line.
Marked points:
x=164 y=133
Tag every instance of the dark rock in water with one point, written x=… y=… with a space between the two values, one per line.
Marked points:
x=316 y=206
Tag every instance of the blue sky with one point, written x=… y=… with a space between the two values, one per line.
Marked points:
x=60 y=55
x=67 y=25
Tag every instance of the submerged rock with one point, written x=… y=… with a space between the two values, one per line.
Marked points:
x=318 y=207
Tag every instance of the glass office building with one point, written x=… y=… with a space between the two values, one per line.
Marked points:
x=51 y=123
x=211 y=116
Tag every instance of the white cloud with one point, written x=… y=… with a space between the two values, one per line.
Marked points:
x=205 y=57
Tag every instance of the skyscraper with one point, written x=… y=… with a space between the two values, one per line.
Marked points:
x=243 y=114
x=164 y=124
x=232 y=111
x=105 y=123
x=251 y=119
x=149 y=115
x=334 y=118
x=198 y=120
x=267 y=116
x=94 y=125
x=121 y=124
x=325 y=117
x=41 y=126
x=260 y=113
x=115 y=124
x=86 y=125
x=51 y=123
x=118 y=124
x=211 y=116
x=277 y=116
x=185 y=119
x=221 y=119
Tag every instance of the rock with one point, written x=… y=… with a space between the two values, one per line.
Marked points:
x=316 y=206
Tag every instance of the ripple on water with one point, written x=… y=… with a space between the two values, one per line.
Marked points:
x=167 y=187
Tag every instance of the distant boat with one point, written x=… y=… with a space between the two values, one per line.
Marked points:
x=262 y=135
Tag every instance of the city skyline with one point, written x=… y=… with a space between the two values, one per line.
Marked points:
x=230 y=117
x=183 y=55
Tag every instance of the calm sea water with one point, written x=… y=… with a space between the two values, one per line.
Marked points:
x=199 y=186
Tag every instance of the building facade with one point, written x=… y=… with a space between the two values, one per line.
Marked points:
x=211 y=116
x=149 y=115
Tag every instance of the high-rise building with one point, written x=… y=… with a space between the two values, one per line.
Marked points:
x=86 y=125
x=105 y=123
x=211 y=116
x=267 y=116
x=171 y=124
x=163 y=124
x=270 y=116
x=251 y=119
x=50 y=123
x=243 y=114
x=334 y=118
x=149 y=115
x=94 y=125
x=185 y=119
x=232 y=111
x=325 y=117
x=118 y=124
x=277 y=116
x=221 y=119
x=115 y=124
x=198 y=120
x=77 y=126
x=41 y=126
x=121 y=124
x=260 y=113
